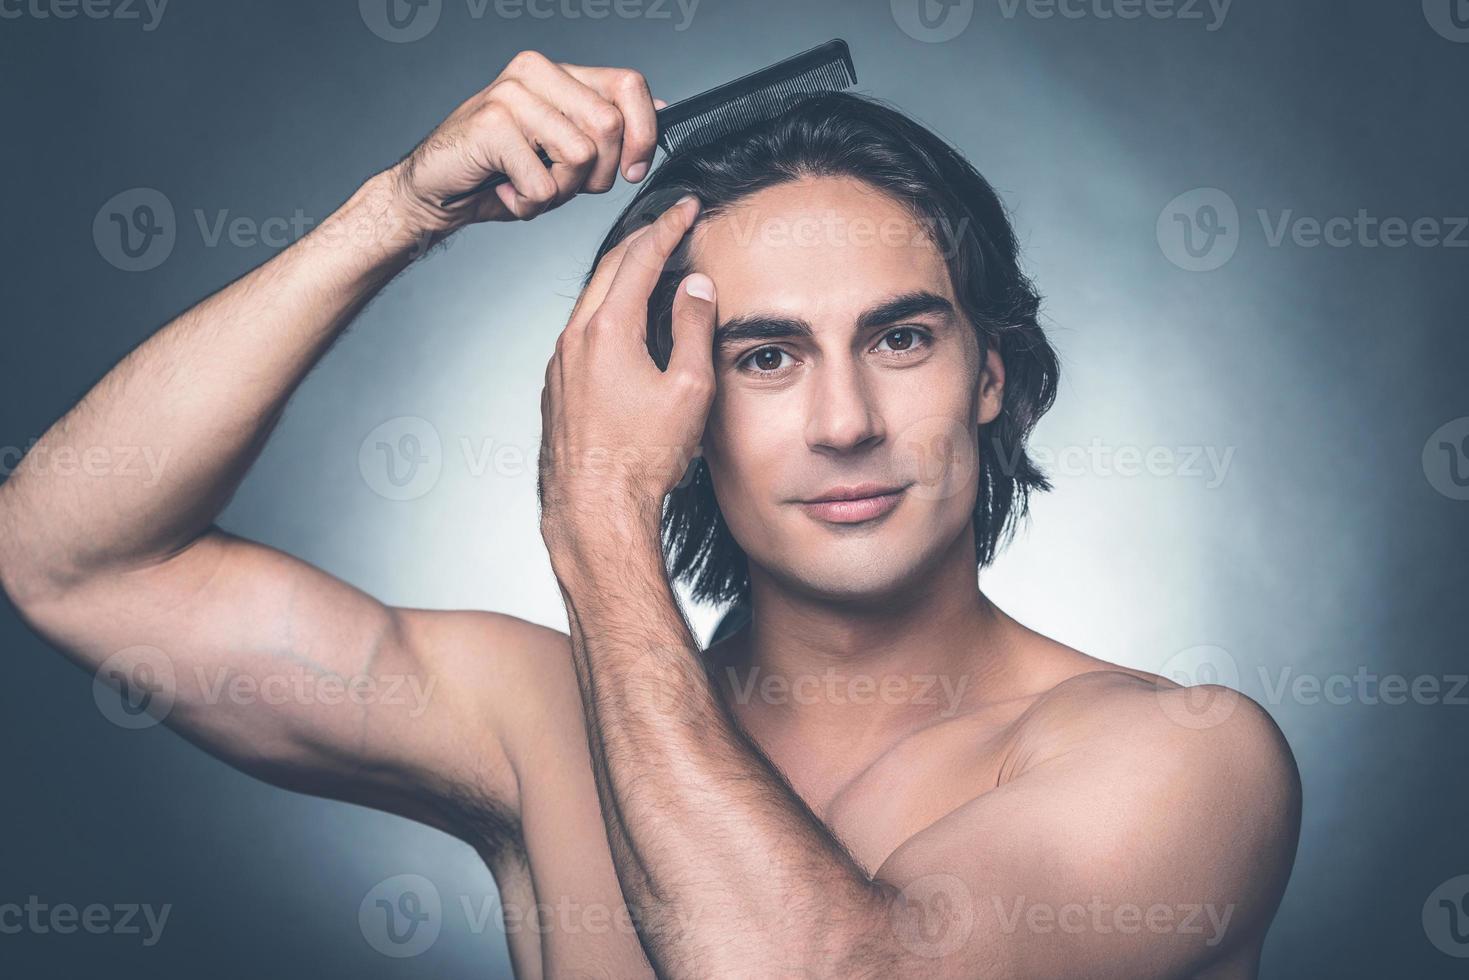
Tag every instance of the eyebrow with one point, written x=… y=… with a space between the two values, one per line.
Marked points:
x=761 y=326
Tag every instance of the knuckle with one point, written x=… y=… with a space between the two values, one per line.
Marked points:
x=605 y=119
x=491 y=114
x=630 y=80
x=581 y=151
x=599 y=322
x=645 y=245
x=526 y=59
x=689 y=381
x=508 y=88
x=665 y=236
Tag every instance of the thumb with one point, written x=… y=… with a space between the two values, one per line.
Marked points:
x=693 y=326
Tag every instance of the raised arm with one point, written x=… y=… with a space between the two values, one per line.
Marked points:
x=264 y=660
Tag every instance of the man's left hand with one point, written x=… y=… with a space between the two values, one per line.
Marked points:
x=617 y=434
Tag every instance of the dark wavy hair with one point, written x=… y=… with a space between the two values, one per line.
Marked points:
x=850 y=135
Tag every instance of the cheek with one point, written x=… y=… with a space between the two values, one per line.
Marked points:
x=747 y=442
x=934 y=441
x=736 y=444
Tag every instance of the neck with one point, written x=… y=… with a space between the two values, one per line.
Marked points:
x=898 y=660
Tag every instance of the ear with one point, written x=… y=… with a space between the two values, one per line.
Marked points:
x=991 y=393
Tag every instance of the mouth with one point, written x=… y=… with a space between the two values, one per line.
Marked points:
x=853 y=505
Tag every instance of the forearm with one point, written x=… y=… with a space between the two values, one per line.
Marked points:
x=727 y=871
x=151 y=454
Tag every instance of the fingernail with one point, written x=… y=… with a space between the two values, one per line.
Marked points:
x=684 y=200
x=699 y=285
x=637 y=170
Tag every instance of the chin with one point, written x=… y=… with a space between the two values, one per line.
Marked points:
x=873 y=567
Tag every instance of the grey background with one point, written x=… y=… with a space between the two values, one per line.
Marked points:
x=1324 y=550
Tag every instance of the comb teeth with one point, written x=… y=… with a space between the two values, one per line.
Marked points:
x=756 y=107
x=756 y=97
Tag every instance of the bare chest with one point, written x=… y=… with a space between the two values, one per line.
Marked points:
x=563 y=906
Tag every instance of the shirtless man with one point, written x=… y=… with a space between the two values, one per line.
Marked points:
x=953 y=796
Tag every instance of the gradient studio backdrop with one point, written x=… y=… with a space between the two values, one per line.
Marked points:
x=1300 y=516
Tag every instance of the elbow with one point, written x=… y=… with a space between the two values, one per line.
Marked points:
x=926 y=931
x=26 y=579
x=15 y=576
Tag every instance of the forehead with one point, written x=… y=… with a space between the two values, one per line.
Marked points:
x=822 y=248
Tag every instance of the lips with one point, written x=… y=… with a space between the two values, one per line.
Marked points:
x=852 y=505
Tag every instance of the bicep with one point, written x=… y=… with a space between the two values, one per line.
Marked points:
x=1118 y=858
x=296 y=677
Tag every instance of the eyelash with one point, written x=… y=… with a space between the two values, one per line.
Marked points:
x=921 y=334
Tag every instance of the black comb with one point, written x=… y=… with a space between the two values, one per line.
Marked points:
x=747 y=100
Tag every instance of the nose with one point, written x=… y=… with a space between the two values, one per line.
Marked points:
x=841 y=416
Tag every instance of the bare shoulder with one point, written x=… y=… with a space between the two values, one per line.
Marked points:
x=1085 y=702
x=1131 y=711
x=1184 y=764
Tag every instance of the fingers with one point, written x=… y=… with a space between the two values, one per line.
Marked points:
x=627 y=296
x=572 y=152
x=628 y=91
x=596 y=289
x=531 y=186
x=588 y=120
x=693 y=329
x=611 y=106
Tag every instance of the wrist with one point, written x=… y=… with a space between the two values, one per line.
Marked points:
x=424 y=217
x=376 y=223
x=613 y=531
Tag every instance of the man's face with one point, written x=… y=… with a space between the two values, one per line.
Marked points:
x=841 y=359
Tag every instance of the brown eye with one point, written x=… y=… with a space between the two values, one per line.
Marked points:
x=900 y=339
x=766 y=359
